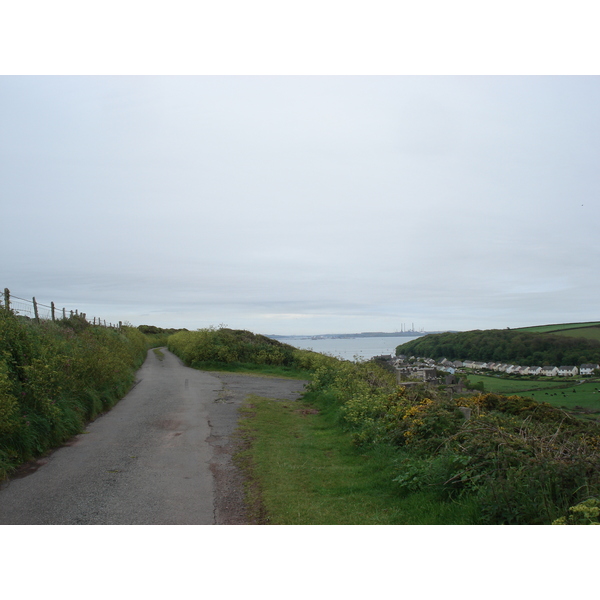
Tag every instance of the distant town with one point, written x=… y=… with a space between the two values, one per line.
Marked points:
x=427 y=369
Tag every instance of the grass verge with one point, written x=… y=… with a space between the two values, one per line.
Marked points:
x=302 y=469
x=252 y=369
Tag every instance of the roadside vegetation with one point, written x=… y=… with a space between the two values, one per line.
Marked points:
x=359 y=448
x=244 y=352
x=57 y=376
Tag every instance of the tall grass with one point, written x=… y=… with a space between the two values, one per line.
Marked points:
x=55 y=377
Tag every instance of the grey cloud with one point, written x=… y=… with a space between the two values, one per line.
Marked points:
x=304 y=204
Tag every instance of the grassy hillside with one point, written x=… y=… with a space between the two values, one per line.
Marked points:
x=590 y=333
x=558 y=327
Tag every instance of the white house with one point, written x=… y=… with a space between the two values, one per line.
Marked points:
x=568 y=371
x=550 y=371
x=534 y=370
x=587 y=369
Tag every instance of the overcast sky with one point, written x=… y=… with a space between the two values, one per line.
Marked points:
x=292 y=205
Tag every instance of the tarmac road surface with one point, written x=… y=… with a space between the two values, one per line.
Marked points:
x=162 y=455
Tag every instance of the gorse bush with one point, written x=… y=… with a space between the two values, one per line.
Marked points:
x=525 y=462
x=55 y=377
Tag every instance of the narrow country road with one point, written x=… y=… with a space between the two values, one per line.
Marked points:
x=162 y=455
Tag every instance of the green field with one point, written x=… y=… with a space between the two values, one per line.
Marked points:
x=589 y=333
x=585 y=396
x=568 y=394
x=501 y=385
x=557 y=327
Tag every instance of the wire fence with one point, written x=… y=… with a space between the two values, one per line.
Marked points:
x=32 y=309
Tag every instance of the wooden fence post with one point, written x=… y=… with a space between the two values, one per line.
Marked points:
x=6 y=298
x=35 y=311
x=52 y=309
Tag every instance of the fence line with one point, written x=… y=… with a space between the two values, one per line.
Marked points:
x=32 y=309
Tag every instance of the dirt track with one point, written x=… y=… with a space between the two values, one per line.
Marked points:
x=162 y=455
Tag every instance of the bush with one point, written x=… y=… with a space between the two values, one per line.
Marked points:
x=56 y=376
x=523 y=462
x=213 y=347
x=584 y=513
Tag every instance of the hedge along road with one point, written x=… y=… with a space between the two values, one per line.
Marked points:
x=162 y=455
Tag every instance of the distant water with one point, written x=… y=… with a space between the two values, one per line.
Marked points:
x=348 y=348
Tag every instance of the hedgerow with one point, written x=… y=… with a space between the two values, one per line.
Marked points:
x=57 y=376
x=212 y=346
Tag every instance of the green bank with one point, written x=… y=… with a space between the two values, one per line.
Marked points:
x=57 y=376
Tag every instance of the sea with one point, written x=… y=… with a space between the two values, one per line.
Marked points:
x=362 y=348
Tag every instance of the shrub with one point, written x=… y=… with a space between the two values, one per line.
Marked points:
x=223 y=346
x=54 y=377
x=584 y=513
x=523 y=462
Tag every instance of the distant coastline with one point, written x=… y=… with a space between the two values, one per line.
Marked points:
x=341 y=336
